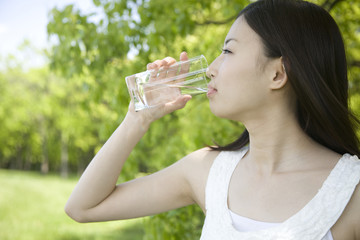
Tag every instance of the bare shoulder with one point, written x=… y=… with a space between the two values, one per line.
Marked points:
x=203 y=157
x=348 y=225
x=196 y=167
x=198 y=163
x=354 y=212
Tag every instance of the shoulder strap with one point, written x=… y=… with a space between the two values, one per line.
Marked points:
x=219 y=178
x=322 y=212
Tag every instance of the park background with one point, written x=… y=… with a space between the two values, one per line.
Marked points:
x=56 y=115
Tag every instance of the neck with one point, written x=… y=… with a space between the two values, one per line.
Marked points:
x=277 y=144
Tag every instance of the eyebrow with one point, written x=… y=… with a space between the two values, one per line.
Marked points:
x=228 y=40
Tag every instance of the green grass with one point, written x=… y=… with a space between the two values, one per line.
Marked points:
x=32 y=208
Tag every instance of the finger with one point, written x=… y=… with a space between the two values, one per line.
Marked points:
x=184 y=67
x=173 y=68
x=156 y=67
x=179 y=103
x=163 y=70
x=171 y=71
x=183 y=56
x=169 y=60
x=160 y=63
x=150 y=66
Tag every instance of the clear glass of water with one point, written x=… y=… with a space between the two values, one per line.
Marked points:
x=158 y=86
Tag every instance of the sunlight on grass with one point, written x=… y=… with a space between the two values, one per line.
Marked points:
x=31 y=208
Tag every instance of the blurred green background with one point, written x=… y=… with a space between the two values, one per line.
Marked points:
x=54 y=118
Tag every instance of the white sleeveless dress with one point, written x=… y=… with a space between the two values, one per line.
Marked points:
x=312 y=222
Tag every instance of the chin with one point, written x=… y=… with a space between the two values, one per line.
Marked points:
x=224 y=112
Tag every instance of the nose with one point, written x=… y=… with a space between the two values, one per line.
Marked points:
x=210 y=72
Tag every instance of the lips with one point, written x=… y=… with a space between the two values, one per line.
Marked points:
x=211 y=91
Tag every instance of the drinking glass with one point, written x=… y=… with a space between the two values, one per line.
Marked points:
x=158 y=86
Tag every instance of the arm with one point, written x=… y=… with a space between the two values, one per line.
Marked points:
x=96 y=196
x=357 y=212
x=348 y=225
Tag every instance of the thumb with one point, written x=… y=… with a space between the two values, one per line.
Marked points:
x=179 y=103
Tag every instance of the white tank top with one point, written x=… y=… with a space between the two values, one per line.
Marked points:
x=312 y=222
x=244 y=224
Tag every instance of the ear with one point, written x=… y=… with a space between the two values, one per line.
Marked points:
x=279 y=76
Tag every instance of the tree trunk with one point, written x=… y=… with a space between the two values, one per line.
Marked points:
x=44 y=156
x=64 y=171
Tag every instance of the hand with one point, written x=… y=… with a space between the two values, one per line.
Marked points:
x=170 y=100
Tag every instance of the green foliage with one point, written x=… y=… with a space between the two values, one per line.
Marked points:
x=56 y=118
x=38 y=212
x=183 y=224
x=20 y=117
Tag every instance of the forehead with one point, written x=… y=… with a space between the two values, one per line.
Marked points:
x=242 y=32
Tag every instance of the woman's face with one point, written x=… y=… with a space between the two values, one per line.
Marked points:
x=239 y=81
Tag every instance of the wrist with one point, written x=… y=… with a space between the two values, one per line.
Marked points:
x=137 y=122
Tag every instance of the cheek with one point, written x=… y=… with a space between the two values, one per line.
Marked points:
x=229 y=100
x=239 y=81
x=240 y=90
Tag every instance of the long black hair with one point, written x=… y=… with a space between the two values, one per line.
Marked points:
x=310 y=43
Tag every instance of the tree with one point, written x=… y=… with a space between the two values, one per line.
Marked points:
x=97 y=57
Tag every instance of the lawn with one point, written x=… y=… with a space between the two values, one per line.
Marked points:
x=31 y=208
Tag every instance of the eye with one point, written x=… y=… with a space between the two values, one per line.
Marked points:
x=226 y=51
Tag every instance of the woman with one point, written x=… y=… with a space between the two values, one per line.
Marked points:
x=291 y=175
